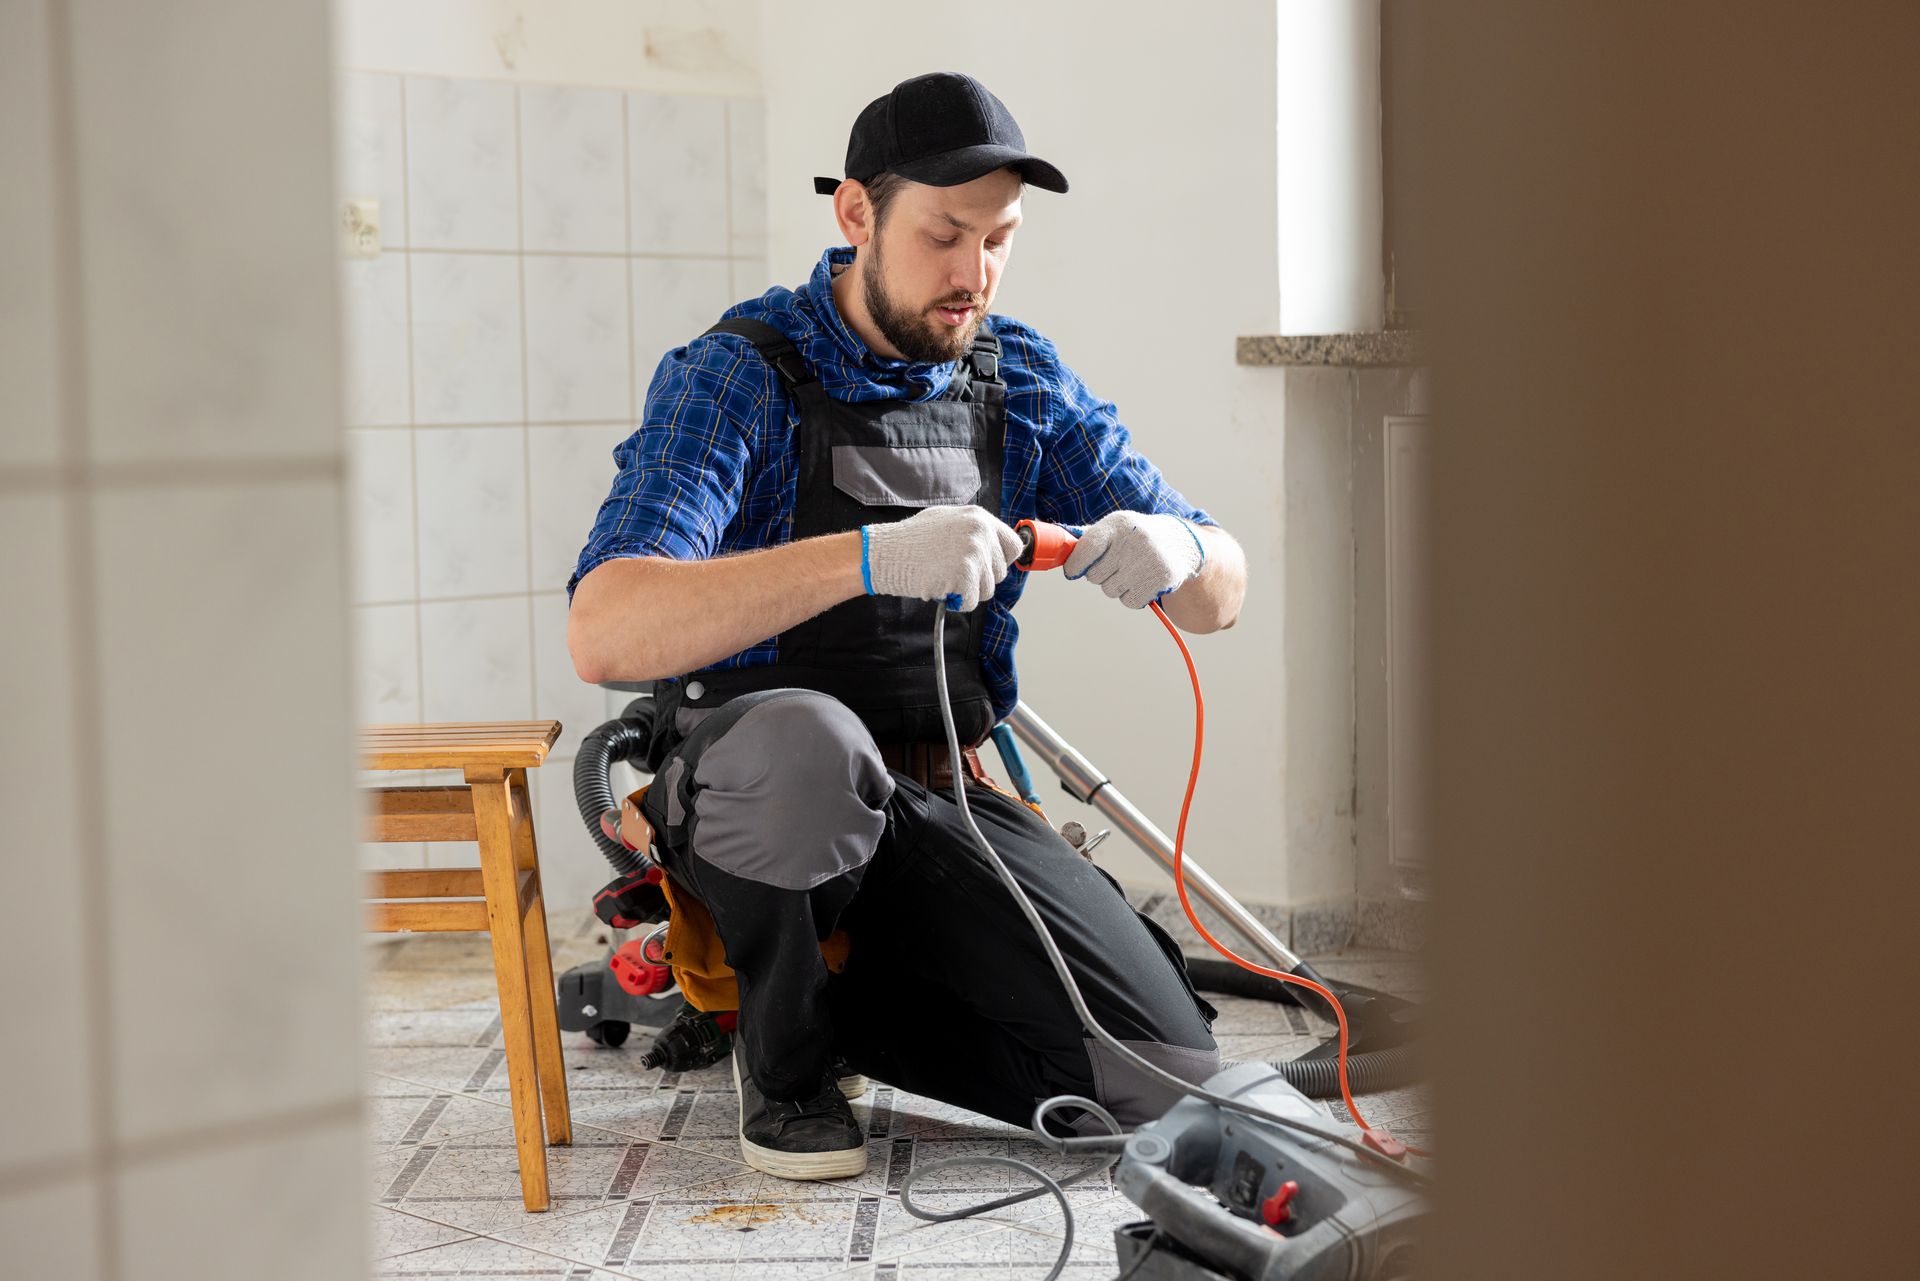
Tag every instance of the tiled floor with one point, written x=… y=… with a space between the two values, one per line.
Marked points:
x=653 y=1185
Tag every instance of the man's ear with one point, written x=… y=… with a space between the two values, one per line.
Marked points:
x=854 y=212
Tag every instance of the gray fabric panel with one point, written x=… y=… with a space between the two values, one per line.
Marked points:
x=670 y=780
x=1131 y=1095
x=792 y=795
x=906 y=477
x=686 y=718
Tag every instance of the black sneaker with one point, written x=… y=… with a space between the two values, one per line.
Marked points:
x=851 y=1083
x=811 y=1138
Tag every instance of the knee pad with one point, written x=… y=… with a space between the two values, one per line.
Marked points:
x=789 y=789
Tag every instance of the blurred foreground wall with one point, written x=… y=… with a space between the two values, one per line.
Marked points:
x=1676 y=739
x=179 y=954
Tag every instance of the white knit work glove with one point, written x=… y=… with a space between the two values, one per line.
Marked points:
x=1136 y=559
x=955 y=554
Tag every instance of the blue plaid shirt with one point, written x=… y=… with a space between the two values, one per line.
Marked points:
x=713 y=468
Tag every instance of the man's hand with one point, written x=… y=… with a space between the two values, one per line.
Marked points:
x=1137 y=559
x=937 y=553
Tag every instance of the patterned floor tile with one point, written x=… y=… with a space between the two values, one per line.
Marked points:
x=655 y=1187
x=442 y=1028
x=449 y=1069
x=396 y=1232
x=425 y=1117
x=389 y=990
x=482 y=1257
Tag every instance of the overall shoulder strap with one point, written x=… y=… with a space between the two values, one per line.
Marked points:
x=774 y=347
x=985 y=356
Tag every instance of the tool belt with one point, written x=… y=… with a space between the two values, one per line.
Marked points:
x=930 y=764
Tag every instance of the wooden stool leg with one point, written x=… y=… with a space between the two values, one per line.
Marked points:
x=546 y=1017
x=493 y=816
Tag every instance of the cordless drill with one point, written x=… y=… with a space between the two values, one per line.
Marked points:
x=693 y=1040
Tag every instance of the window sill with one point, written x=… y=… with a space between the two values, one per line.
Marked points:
x=1387 y=349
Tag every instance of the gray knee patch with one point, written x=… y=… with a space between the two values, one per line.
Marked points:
x=1131 y=1095
x=793 y=794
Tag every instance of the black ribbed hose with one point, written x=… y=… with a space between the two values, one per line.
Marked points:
x=625 y=739
x=1372 y=1016
x=1375 y=1070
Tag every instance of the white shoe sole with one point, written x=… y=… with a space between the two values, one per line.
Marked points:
x=802 y=1166
x=853 y=1086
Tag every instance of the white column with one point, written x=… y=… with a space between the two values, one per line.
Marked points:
x=1331 y=278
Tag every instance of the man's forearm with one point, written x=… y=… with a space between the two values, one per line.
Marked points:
x=1210 y=600
x=642 y=618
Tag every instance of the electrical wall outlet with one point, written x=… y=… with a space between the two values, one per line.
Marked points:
x=360 y=227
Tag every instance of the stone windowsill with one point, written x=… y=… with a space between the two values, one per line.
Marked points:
x=1383 y=350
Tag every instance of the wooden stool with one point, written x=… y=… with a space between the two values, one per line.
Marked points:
x=501 y=897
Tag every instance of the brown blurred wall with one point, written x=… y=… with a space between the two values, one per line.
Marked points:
x=1676 y=582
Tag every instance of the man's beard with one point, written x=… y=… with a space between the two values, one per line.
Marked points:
x=916 y=335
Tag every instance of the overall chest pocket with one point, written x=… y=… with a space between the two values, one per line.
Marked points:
x=906 y=475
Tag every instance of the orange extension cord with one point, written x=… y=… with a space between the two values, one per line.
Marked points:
x=1180 y=883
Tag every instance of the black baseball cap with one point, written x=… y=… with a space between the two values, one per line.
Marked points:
x=941 y=129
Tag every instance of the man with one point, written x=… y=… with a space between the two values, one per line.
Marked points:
x=816 y=477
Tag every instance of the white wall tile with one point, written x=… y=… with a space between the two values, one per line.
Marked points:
x=572 y=869
x=230 y=855
x=386 y=664
x=558 y=693
x=206 y=227
x=479 y=660
x=747 y=175
x=271 y=1207
x=677 y=173
x=51 y=1231
x=373 y=294
x=29 y=368
x=380 y=514
x=749 y=277
x=473 y=511
x=466 y=339
x=573 y=170
x=577 y=344
x=571 y=469
x=372 y=143
x=42 y=925
x=462 y=180
x=674 y=302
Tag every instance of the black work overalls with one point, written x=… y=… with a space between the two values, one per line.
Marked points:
x=771 y=805
x=870 y=463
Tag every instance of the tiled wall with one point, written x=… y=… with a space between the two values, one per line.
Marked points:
x=179 y=933
x=543 y=247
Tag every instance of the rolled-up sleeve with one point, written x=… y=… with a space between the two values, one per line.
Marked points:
x=1089 y=467
x=681 y=475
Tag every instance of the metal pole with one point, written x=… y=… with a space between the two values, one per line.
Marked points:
x=1088 y=785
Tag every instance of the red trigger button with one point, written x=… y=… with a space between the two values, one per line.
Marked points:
x=1278 y=1208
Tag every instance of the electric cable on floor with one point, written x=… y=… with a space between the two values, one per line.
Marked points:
x=1104 y=1143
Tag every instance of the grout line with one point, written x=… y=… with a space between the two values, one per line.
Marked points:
x=726 y=182
x=169 y=473
x=413 y=437
x=526 y=395
x=608 y=255
x=536 y=425
x=98 y=960
x=534 y=82
x=626 y=206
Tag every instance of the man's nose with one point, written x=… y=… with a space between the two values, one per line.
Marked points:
x=970 y=273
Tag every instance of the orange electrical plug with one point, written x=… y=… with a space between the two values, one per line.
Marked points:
x=1044 y=545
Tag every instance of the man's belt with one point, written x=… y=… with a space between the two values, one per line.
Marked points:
x=930 y=764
